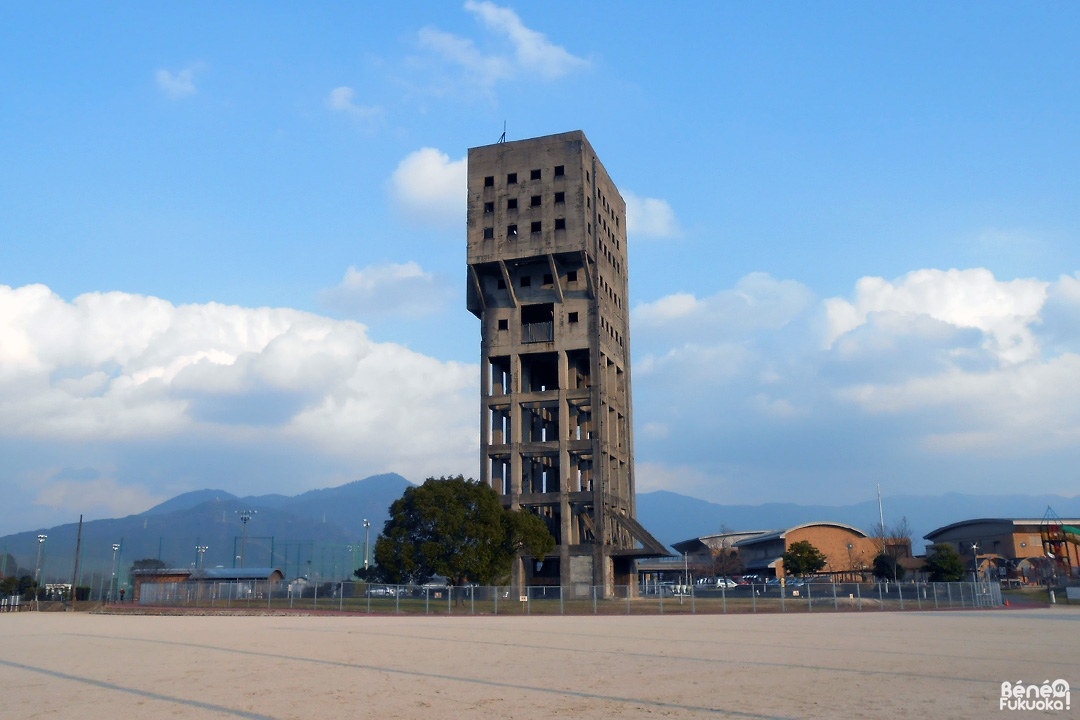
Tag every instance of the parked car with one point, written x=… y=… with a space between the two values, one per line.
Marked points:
x=382 y=591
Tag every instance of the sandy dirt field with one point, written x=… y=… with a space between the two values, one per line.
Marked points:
x=917 y=665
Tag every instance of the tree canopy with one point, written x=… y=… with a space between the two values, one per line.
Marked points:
x=457 y=528
x=886 y=567
x=944 y=564
x=802 y=558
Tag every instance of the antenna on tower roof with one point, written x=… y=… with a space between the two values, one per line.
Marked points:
x=502 y=138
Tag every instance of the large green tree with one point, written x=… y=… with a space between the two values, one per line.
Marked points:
x=944 y=564
x=802 y=558
x=457 y=528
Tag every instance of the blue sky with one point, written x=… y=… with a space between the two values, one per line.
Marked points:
x=232 y=241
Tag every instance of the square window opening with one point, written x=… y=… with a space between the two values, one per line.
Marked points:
x=571 y=276
x=511 y=179
x=560 y=197
x=511 y=232
x=535 y=227
x=525 y=281
x=511 y=204
x=534 y=174
x=560 y=223
x=489 y=181
x=572 y=317
x=559 y=171
x=489 y=207
x=489 y=233
x=504 y=324
x=548 y=279
x=534 y=201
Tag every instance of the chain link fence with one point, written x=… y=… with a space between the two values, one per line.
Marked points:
x=357 y=597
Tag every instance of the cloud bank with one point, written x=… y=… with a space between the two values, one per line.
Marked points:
x=120 y=375
x=935 y=380
x=387 y=290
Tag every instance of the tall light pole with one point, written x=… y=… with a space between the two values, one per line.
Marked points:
x=112 y=583
x=367 y=542
x=37 y=568
x=201 y=550
x=245 y=515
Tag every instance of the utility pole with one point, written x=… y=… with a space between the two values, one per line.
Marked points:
x=75 y=571
x=200 y=551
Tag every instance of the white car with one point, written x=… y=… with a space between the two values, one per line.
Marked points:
x=725 y=583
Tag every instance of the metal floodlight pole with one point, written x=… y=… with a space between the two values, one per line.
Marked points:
x=200 y=551
x=245 y=515
x=112 y=581
x=367 y=542
x=37 y=568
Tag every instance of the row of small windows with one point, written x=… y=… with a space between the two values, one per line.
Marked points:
x=548 y=279
x=615 y=335
x=512 y=178
x=534 y=227
x=534 y=201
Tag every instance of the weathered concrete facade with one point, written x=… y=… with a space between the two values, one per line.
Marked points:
x=547 y=277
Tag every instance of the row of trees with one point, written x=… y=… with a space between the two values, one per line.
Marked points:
x=942 y=564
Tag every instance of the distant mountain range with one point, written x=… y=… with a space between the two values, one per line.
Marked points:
x=321 y=532
x=325 y=527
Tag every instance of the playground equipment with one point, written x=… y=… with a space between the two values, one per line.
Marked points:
x=1061 y=543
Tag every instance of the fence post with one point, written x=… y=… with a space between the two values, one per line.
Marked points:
x=528 y=601
x=367 y=592
x=449 y=595
x=835 y=606
x=269 y=593
x=879 y=597
x=783 y=598
x=496 y=599
x=723 y=598
x=935 y=596
x=900 y=592
x=593 y=599
x=693 y=598
x=627 y=599
x=315 y=602
x=561 y=610
x=753 y=597
x=661 y=599
x=397 y=600
x=858 y=591
x=341 y=596
x=426 y=601
x=918 y=597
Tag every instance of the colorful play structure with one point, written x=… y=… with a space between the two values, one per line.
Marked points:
x=1061 y=544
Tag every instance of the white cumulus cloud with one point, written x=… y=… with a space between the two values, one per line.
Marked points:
x=388 y=289
x=650 y=217
x=974 y=298
x=180 y=84
x=429 y=188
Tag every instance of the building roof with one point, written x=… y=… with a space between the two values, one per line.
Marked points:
x=703 y=542
x=779 y=534
x=999 y=521
x=219 y=573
